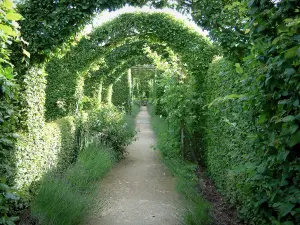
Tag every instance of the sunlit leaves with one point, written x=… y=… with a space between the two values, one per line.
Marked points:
x=26 y=53
x=239 y=69
x=292 y=52
x=8 y=30
x=13 y=16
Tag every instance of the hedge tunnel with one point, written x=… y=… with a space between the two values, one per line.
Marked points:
x=112 y=34
x=109 y=42
x=231 y=105
x=99 y=71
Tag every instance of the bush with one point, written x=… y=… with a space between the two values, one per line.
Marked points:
x=56 y=146
x=110 y=126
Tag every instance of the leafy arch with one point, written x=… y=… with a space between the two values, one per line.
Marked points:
x=49 y=24
x=151 y=27
x=63 y=90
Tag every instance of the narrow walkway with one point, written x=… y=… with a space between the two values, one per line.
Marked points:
x=139 y=190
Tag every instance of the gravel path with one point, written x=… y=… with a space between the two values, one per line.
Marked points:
x=139 y=190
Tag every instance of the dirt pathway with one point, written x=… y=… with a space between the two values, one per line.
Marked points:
x=139 y=190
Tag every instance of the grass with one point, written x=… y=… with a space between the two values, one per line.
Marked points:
x=135 y=110
x=196 y=208
x=66 y=199
x=130 y=118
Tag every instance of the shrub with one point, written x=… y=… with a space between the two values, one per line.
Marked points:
x=110 y=126
x=56 y=146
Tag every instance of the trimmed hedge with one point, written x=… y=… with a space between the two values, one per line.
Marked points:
x=121 y=93
x=263 y=185
x=56 y=145
x=41 y=146
x=227 y=130
x=64 y=72
x=54 y=148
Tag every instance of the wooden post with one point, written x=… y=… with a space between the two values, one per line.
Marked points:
x=130 y=91
x=154 y=85
x=100 y=88
x=109 y=94
x=182 y=138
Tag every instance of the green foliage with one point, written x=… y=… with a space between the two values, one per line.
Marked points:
x=236 y=156
x=121 y=93
x=61 y=97
x=228 y=130
x=8 y=196
x=66 y=198
x=8 y=107
x=250 y=126
x=61 y=93
x=257 y=110
x=90 y=53
x=47 y=26
x=274 y=97
x=57 y=148
x=187 y=181
x=143 y=81
x=177 y=98
x=51 y=147
x=8 y=88
x=109 y=125
x=225 y=20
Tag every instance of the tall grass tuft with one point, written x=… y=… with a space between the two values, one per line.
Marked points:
x=197 y=209
x=65 y=199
